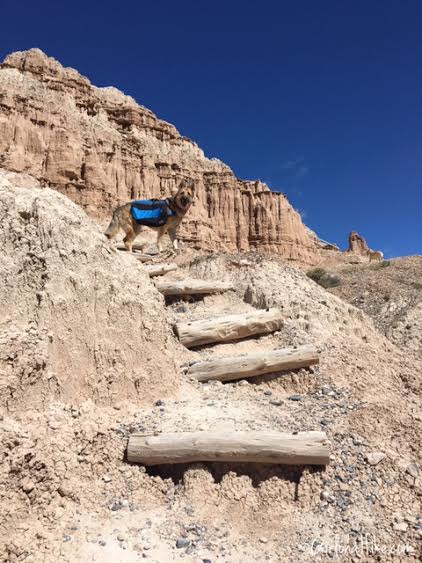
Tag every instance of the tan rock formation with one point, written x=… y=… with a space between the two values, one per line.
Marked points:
x=100 y=148
x=357 y=244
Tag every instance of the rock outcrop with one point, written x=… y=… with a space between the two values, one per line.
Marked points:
x=100 y=148
x=357 y=244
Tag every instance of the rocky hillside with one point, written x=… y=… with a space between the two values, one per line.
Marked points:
x=100 y=148
x=90 y=354
x=391 y=293
x=88 y=357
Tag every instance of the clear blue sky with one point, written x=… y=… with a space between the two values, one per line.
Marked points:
x=321 y=99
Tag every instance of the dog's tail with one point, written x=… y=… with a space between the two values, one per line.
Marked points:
x=114 y=226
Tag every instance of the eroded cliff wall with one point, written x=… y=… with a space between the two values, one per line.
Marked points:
x=100 y=148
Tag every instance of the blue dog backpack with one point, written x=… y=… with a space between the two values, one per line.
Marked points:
x=151 y=212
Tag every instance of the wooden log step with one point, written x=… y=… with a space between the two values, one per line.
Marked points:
x=192 y=287
x=303 y=448
x=143 y=257
x=159 y=269
x=228 y=328
x=250 y=365
x=135 y=246
x=136 y=252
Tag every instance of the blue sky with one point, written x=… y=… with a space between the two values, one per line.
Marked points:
x=322 y=100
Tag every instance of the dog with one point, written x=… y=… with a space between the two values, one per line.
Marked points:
x=375 y=255
x=178 y=205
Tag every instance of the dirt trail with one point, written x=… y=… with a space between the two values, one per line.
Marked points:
x=69 y=495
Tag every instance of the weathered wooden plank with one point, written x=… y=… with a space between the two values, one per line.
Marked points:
x=142 y=257
x=192 y=287
x=228 y=328
x=304 y=448
x=135 y=246
x=159 y=269
x=250 y=365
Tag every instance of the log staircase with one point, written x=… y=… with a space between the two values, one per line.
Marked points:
x=305 y=448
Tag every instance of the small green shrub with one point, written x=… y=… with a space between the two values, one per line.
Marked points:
x=330 y=281
x=316 y=274
x=417 y=285
x=323 y=278
x=381 y=265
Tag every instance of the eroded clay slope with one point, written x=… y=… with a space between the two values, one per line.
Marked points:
x=77 y=320
x=68 y=493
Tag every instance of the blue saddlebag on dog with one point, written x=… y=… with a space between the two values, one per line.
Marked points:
x=151 y=212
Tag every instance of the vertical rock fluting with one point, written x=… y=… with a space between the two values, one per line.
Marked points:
x=100 y=148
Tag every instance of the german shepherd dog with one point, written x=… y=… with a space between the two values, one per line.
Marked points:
x=179 y=203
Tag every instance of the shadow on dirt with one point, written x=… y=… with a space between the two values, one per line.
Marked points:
x=258 y=473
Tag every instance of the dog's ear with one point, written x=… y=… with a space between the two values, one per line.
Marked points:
x=174 y=191
x=190 y=185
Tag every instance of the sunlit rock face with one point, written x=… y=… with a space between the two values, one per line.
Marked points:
x=101 y=148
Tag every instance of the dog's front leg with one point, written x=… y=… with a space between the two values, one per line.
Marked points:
x=173 y=237
x=160 y=235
